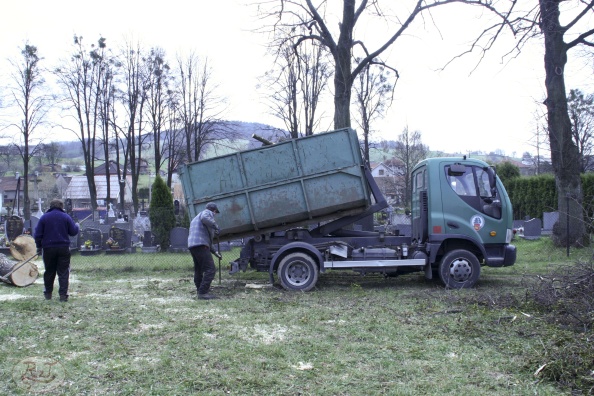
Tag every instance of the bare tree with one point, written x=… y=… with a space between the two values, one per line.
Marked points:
x=157 y=88
x=410 y=150
x=313 y=22
x=374 y=88
x=543 y=20
x=130 y=135
x=51 y=151
x=81 y=79
x=581 y=114
x=199 y=107
x=29 y=97
x=107 y=99
x=300 y=75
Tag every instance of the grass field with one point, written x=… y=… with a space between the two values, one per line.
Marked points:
x=132 y=327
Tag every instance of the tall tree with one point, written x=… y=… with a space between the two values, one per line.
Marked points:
x=374 y=87
x=32 y=102
x=157 y=88
x=317 y=22
x=200 y=108
x=581 y=114
x=410 y=150
x=297 y=82
x=543 y=20
x=161 y=213
x=133 y=99
x=81 y=79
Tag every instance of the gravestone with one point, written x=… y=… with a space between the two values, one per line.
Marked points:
x=148 y=243
x=224 y=247
x=532 y=229
x=549 y=220
x=94 y=235
x=404 y=229
x=123 y=239
x=148 y=240
x=178 y=239
x=14 y=227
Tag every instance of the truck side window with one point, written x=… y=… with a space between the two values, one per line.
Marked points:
x=463 y=184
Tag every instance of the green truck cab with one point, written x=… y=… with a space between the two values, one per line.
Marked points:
x=461 y=218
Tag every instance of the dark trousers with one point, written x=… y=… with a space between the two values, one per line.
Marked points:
x=56 y=260
x=204 y=268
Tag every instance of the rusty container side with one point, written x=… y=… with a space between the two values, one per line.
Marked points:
x=293 y=183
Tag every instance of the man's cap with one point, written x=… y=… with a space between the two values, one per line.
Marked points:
x=212 y=207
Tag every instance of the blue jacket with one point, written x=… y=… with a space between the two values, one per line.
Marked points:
x=54 y=229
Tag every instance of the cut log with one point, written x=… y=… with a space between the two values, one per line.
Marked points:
x=17 y=273
x=23 y=247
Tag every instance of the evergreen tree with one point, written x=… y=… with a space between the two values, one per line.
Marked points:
x=161 y=213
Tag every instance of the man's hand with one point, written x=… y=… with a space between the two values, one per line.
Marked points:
x=218 y=255
x=217 y=231
x=39 y=251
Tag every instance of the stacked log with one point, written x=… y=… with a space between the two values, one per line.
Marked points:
x=20 y=273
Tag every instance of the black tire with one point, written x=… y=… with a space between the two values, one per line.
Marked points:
x=298 y=271
x=459 y=269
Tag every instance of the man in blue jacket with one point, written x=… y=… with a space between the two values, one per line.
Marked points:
x=203 y=228
x=52 y=234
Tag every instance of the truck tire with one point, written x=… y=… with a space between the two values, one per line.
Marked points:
x=459 y=269
x=298 y=271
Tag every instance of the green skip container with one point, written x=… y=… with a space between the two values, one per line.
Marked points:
x=276 y=187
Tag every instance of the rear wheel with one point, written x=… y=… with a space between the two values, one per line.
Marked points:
x=459 y=269
x=298 y=271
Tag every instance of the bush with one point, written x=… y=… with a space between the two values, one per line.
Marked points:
x=161 y=213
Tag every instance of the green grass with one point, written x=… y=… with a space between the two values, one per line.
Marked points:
x=132 y=327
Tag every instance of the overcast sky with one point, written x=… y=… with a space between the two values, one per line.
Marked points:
x=456 y=111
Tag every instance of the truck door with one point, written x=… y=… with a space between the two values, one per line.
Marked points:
x=476 y=186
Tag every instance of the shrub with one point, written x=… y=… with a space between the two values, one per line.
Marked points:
x=161 y=213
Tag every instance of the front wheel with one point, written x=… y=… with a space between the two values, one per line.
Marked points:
x=459 y=269
x=298 y=271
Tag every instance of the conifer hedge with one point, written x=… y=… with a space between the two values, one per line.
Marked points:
x=531 y=196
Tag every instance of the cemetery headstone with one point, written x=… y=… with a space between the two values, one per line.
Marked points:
x=148 y=243
x=532 y=229
x=14 y=227
x=91 y=241
x=179 y=240
x=121 y=239
x=549 y=220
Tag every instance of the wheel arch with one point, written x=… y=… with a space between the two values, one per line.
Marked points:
x=297 y=246
x=441 y=248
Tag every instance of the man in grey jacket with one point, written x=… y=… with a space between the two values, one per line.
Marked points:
x=203 y=229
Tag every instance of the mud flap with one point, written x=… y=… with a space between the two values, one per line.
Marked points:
x=428 y=271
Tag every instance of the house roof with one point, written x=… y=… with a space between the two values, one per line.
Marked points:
x=79 y=188
x=8 y=184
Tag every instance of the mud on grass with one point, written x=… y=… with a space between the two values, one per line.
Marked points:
x=143 y=333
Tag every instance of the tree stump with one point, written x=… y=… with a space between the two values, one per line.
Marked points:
x=16 y=273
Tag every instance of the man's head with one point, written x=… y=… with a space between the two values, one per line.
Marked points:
x=212 y=207
x=57 y=203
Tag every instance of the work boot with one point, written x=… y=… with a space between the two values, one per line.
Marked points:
x=48 y=296
x=207 y=296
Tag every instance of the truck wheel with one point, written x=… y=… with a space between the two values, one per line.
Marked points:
x=298 y=271
x=459 y=269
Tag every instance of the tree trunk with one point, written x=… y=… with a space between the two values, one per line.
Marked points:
x=564 y=152
x=17 y=273
x=343 y=81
